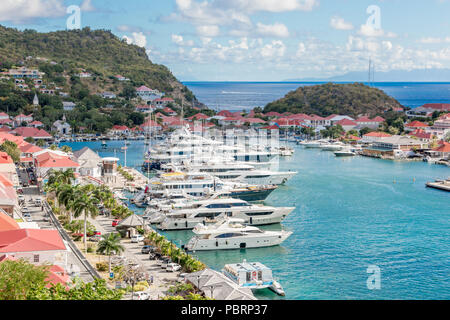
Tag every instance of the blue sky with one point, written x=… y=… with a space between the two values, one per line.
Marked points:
x=265 y=40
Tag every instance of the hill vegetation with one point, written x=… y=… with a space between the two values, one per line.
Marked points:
x=326 y=99
x=62 y=55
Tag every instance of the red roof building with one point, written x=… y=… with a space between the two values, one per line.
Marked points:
x=7 y=223
x=225 y=113
x=416 y=125
x=35 y=133
x=443 y=148
x=199 y=116
x=30 y=240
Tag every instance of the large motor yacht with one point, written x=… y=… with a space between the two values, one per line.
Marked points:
x=233 y=234
x=209 y=211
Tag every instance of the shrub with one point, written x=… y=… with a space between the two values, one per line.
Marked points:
x=102 y=266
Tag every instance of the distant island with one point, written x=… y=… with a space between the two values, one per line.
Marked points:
x=331 y=98
x=420 y=75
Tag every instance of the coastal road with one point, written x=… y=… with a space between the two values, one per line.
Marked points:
x=74 y=265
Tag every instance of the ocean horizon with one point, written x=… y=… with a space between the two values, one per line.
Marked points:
x=245 y=95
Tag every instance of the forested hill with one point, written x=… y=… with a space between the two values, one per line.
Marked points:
x=99 y=52
x=327 y=99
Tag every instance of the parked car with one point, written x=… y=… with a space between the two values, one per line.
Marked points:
x=27 y=215
x=115 y=223
x=141 y=296
x=28 y=219
x=173 y=267
x=95 y=238
x=165 y=263
x=137 y=238
x=146 y=249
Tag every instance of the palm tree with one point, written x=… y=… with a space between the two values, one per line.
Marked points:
x=86 y=203
x=110 y=245
x=66 y=197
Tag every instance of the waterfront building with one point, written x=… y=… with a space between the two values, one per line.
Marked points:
x=428 y=109
x=443 y=150
x=62 y=127
x=199 y=116
x=374 y=137
x=334 y=119
x=47 y=160
x=4 y=116
x=395 y=146
x=89 y=161
x=109 y=170
x=217 y=286
x=121 y=130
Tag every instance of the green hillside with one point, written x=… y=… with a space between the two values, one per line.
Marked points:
x=98 y=52
x=327 y=99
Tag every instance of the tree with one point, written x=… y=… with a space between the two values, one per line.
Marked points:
x=365 y=131
x=110 y=245
x=17 y=278
x=86 y=204
x=11 y=149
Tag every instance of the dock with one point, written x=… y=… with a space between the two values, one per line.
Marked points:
x=440 y=185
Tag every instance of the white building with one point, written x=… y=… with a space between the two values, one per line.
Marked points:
x=62 y=127
x=89 y=161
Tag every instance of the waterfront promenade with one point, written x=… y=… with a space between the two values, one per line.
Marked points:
x=162 y=280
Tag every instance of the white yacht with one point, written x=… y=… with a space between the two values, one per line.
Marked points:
x=238 y=171
x=345 y=152
x=202 y=184
x=209 y=211
x=233 y=234
x=314 y=144
x=334 y=146
x=252 y=275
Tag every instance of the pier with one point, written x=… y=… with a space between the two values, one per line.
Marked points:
x=440 y=185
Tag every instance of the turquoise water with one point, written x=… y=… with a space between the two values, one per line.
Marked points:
x=351 y=213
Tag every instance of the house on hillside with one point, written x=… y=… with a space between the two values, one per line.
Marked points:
x=148 y=94
x=68 y=106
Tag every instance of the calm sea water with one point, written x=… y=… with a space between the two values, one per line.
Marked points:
x=247 y=95
x=351 y=213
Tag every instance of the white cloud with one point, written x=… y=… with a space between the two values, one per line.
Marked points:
x=272 y=30
x=179 y=40
x=250 y=6
x=340 y=24
x=87 y=6
x=137 y=38
x=369 y=31
x=208 y=31
x=301 y=50
x=22 y=11
x=274 y=49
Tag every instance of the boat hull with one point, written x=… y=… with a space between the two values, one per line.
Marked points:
x=271 y=239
